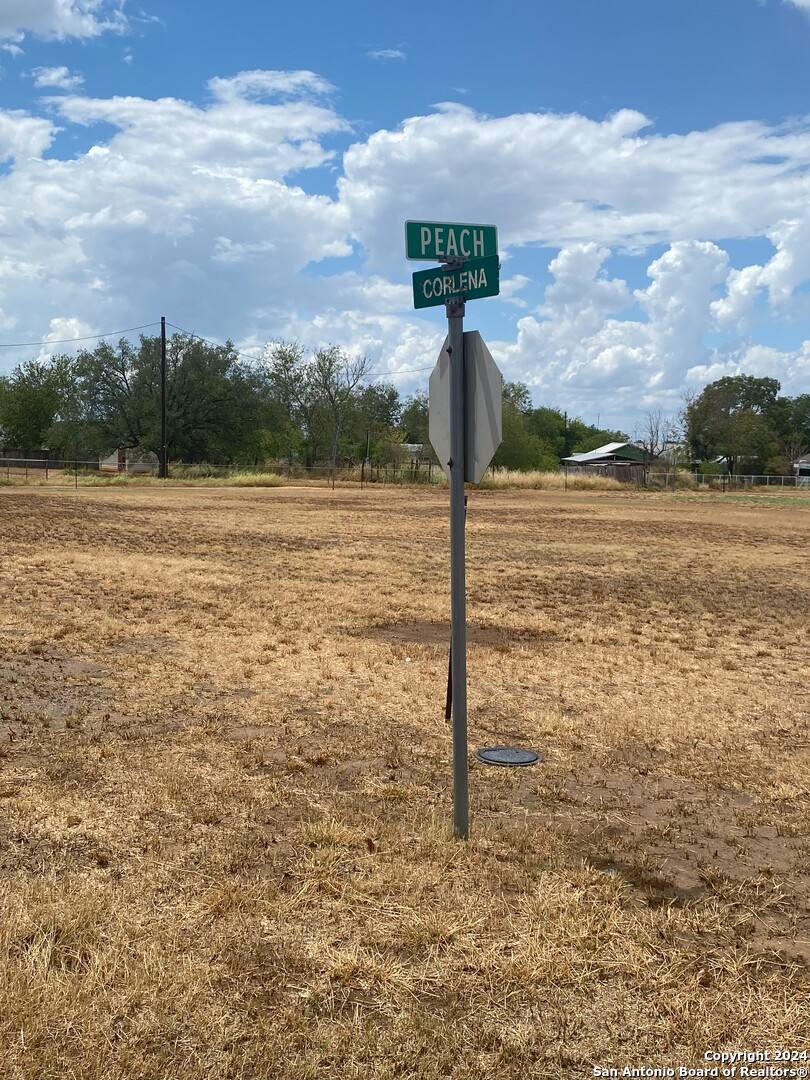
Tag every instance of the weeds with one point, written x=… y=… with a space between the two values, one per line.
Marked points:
x=226 y=780
x=548 y=481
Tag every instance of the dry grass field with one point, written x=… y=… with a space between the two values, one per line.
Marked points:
x=225 y=784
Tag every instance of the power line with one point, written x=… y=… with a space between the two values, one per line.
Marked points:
x=257 y=359
x=65 y=341
x=214 y=344
x=197 y=337
x=402 y=371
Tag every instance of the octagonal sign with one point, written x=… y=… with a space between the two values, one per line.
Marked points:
x=483 y=407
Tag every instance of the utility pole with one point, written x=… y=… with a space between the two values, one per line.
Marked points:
x=164 y=461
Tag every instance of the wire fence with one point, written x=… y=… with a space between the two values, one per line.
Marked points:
x=76 y=472
x=714 y=482
x=79 y=472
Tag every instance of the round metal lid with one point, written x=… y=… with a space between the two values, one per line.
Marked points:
x=507 y=755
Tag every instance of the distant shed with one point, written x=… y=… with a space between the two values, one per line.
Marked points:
x=620 y=461
x=612 y=453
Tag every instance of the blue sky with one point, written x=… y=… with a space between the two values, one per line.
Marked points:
x=246 y=170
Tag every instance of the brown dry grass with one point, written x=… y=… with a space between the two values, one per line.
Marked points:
x=225 y=841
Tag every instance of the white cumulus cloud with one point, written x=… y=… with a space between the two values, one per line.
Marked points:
x=556 y=180
x=182 y=208
x=60 y=78
x=23 y=137
x=60 y=19
x=584 y=356
x=254 y=85
x=65 y=330
x=211 y=214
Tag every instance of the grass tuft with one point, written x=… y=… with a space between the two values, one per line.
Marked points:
x=536 y=480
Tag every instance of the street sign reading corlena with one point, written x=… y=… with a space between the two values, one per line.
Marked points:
x=440 y=241
x=483 y=408
x=470 y=280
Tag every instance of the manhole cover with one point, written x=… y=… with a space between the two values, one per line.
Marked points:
x=507 y=755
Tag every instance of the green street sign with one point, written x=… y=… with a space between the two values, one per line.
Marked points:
x=439 y=241
x=476 y=278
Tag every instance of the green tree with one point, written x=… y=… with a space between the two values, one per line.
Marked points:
x=320 y=394
x=517 y=394
x=728 y=419
x=800 y=418
x=789 y=421
x=537 y=438
x=216 y=406
x=213 y=403
x=551 y=426
x=29 y=402
x=289 y=377
x=119 y=388
x=415 y=418
x=337 y=379
x=67 y=434
x=372 y=417
x=520 y=448
x=566 y=435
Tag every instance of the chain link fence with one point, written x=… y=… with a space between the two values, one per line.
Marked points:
x=716 y=482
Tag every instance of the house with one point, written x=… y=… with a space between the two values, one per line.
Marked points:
x=412 y=451
x=132 y=461
x=801 y=467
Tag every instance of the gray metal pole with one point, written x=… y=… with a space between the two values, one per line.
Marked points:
x=458 y=597
x=164 y=460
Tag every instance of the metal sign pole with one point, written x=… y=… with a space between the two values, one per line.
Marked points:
x=465 y=425
x=458 y=600
x=448 y=701
x=163 y=471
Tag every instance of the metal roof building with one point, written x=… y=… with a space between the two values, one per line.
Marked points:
x=614 y=453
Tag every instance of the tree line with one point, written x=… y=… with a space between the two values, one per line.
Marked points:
x=321 y=408
x=290 y=405
x=743 y=424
